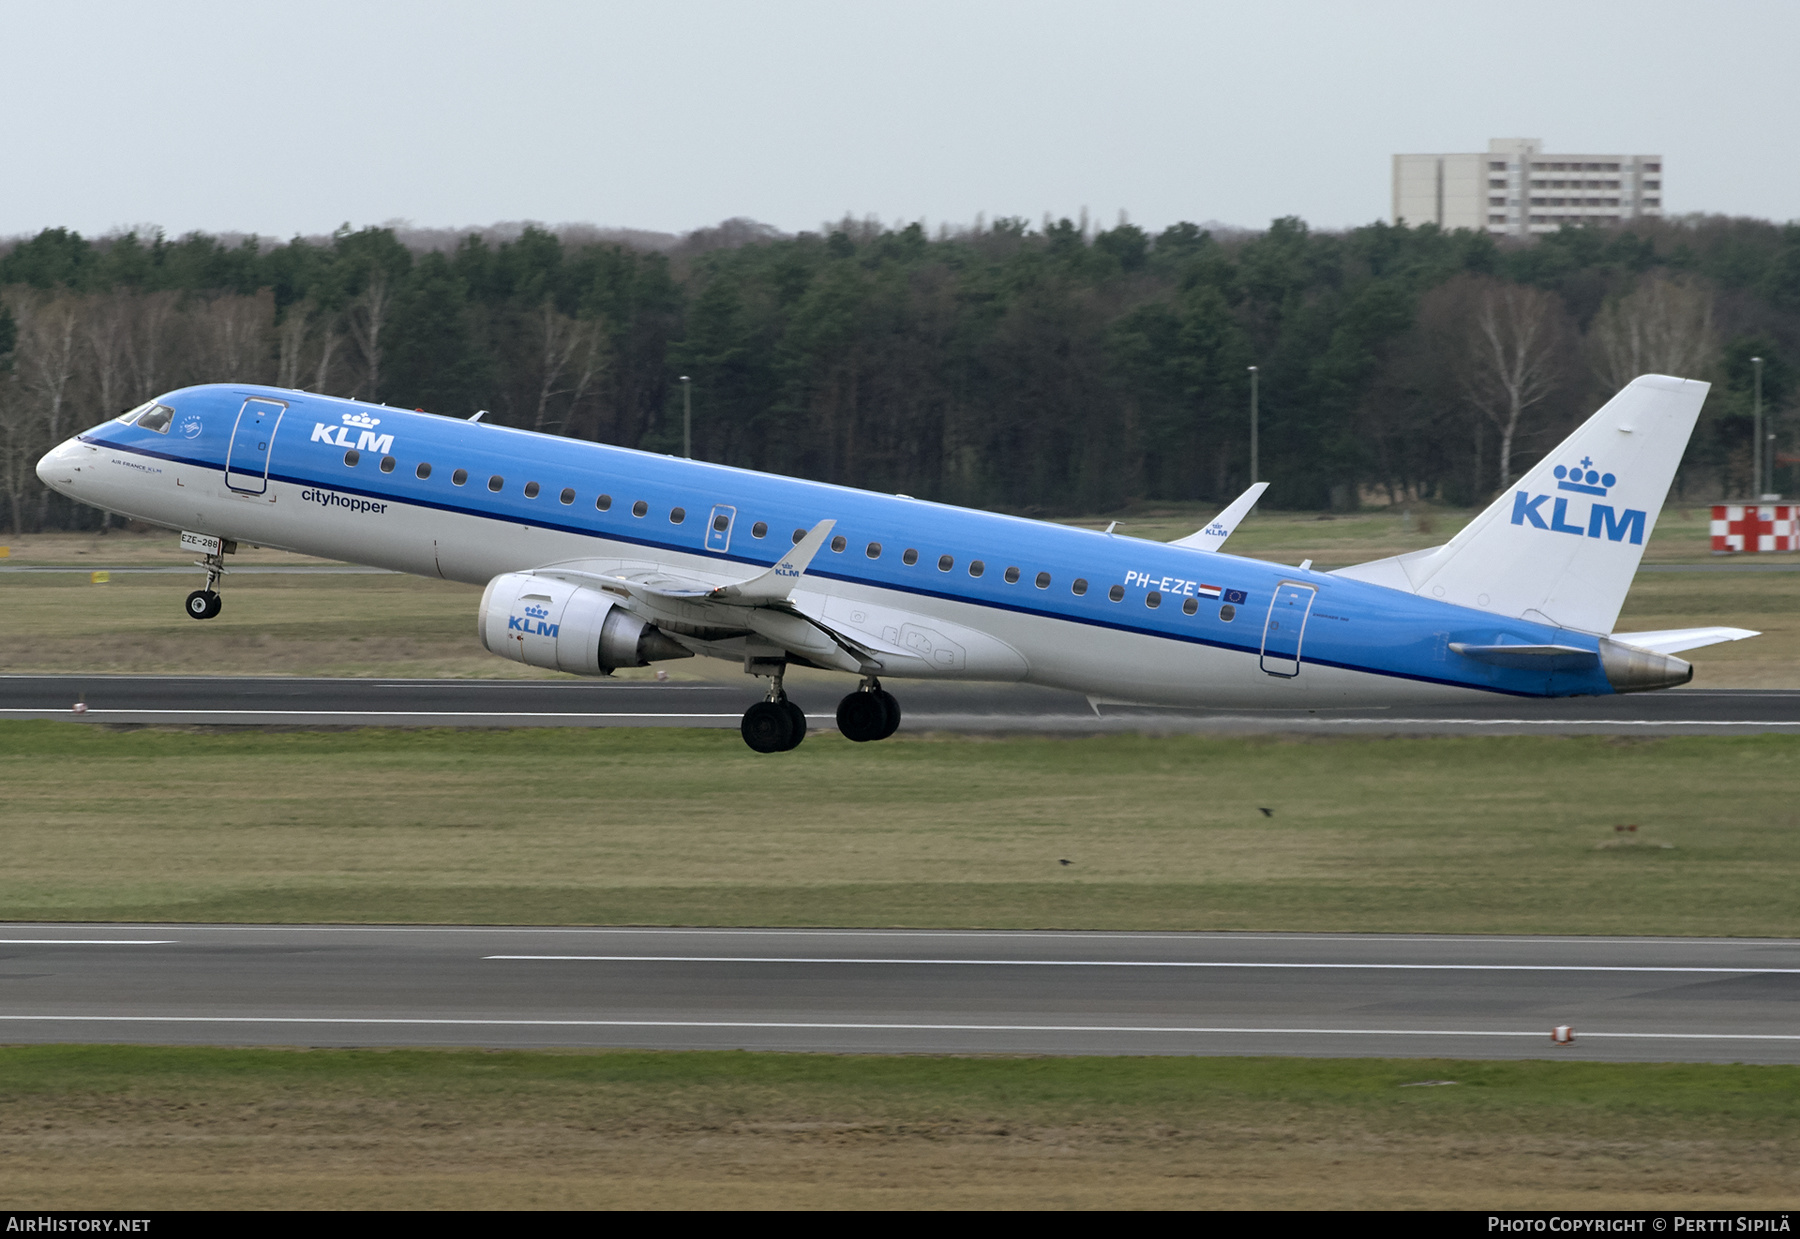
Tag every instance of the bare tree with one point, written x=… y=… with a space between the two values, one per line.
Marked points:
x=231 y=337
x=1662 y=326
x=368 y=315
x=1514 y=344
x=47 y=356
x=148 y=342
x=573 y=355
x=106 y=331
x=20 y=446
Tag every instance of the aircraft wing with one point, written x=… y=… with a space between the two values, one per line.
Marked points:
x=697 y=609
x=1675 y=640
x=1213 y=536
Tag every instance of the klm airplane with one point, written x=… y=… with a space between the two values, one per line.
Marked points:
x=597 y=557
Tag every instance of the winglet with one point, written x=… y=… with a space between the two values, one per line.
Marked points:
x=778 y=582
x=1213 y=536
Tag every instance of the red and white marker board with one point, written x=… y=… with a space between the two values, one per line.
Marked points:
x=1751 y=527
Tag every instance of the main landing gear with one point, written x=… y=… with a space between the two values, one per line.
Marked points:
x=870 y=713
x=775 y=724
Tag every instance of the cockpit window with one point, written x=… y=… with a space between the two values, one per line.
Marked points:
x=157 y=419
x=130 y=415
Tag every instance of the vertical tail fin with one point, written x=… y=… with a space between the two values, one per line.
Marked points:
x=1562 y=544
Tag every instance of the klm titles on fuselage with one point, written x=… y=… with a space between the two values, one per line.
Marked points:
x=1602 y=520
x=366 y=439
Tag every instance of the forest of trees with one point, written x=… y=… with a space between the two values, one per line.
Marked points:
x=1044 y=370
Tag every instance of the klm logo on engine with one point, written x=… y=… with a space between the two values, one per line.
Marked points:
x=366 y=438
x=1602 y=519
x=530 y=624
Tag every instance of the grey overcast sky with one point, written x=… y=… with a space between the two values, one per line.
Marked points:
x=282 y=118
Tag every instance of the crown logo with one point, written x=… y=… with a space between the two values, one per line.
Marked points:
x=361 y=420
x=538 y=612
x=1583 y=479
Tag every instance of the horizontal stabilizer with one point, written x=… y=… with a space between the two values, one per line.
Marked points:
x=1213 y=536
x=1675 y=640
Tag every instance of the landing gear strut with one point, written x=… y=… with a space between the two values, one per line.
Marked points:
x=870 y=713
x=773 y=725
x=205 y=603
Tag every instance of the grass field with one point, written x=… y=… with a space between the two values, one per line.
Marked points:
x=410 y=626
x=147 y=1128
x=659 y=827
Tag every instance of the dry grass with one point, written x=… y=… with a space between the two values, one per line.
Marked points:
x=672 y=827
x=142 y=1128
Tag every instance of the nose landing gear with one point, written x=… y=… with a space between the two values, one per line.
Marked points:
x=205 y=603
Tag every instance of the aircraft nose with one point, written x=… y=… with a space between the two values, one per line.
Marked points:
x=53 y=468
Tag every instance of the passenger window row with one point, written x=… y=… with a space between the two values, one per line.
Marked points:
x=759 y=530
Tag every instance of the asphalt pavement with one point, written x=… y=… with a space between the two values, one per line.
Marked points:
x=299 y=701
x=1626 y=999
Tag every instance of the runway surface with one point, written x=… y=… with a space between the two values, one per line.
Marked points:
x=1628 y=999
x=294 y=701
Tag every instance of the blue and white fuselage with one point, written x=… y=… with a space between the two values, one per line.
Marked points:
x=704 y=556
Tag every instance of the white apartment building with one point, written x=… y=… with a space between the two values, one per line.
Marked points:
x=1518 y=190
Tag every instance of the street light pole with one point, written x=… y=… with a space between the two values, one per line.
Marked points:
x=1255 y=464
x=687 y=418
x=1757 y=455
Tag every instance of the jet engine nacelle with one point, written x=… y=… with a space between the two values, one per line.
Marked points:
x=545 y=622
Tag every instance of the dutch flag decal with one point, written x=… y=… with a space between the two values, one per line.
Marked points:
x=1208 y=591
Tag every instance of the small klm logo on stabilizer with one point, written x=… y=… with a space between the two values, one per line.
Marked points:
x=1602 y=520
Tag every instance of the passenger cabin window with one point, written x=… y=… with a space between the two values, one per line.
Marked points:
x=602 y=502
x=387 y=464
x=760 y=529
x=799 y=534
x=531 y=490
x=677 y=515
x=459 y=477
x=1043 y=580
x=946 y=562
x=640 y=508
x=721 y=523
x=351 y=457
x=495 y=483
x=1153 y=599
x=1080 y=586
x=976 y=567
x=1012 y=576
x=157 y=419
x=1189 y=605
x=1228 y=613
x=1116 y=593
x=423 y=471
x=567 y=496
x=874 y=550
x=839 y=543
x=909 y=557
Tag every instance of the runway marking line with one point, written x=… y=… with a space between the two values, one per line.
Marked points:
x=847 y=1026
x=1135 y=963
x=89 y=941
